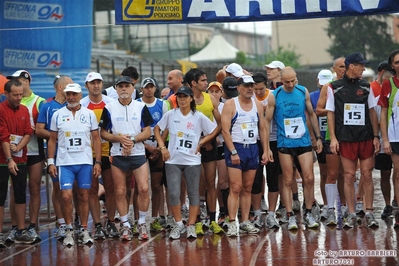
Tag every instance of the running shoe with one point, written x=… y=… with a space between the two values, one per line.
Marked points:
x=143 y=232
x=359 y=208
x=60 y=233
x=310 y=221
x=84 y=237
x=283 y=216
x=177 y=231
x=11 y=235
x=155 y=226
x=24 y=237
x=248 y=228
x=170 y=222
x=350 y=221
x=111 y=229
x=296 y=206
x=99 y=233
x=387 y=213
x=191 y=231
x=324 y=212
x=221 y=219
x=394 y=204
x=135 y=231
x=2 y=242
x=292 y=225
x=232 y=229
x=316 y=211
x=206 y=222
x=125 y=233
x=257 y=222
x=117 y=216
x=198 y=229
x=215 y=228
x=69 y=238
x=162 y=221
x=331 y=219
x=32 y=231
x=344 y=211
x=370 y=220
x=271 y=222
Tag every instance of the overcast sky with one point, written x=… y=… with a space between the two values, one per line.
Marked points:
x=260 y=27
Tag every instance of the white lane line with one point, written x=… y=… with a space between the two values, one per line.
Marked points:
x=257 y=251
x=137 y=249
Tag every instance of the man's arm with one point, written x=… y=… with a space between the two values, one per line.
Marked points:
x=227 y=115
x=314 y=123
x=321 y=103
x=384 y=131
x=374 y=123
x=263 y=133
x=95 y=136
x=41 y=131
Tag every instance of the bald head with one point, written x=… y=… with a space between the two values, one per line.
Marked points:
x=287 y=71
x=175 y=79
x=288 y=78
x=339 y=67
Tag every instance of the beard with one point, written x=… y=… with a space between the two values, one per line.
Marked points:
x=73 y=105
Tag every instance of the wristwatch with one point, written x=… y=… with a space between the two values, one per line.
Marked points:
x=133 y=139
x=234 y=152
x=8 y=159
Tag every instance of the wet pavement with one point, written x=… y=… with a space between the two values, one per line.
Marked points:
x=323 y=246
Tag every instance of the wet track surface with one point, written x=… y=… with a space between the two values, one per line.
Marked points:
x=358 y=246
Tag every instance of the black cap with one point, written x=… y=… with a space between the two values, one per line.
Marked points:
x=355 y=58
x=185 y=90
x=124 y=79
x=230 y=87
x=384 y=66
x=259 y=77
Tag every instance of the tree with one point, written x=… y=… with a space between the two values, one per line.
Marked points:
x=241 y=58
x=286 y=55
x=369 y=35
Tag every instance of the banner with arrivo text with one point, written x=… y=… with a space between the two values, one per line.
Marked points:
x=212 y=11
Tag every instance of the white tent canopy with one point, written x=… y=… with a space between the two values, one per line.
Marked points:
x=218 y=49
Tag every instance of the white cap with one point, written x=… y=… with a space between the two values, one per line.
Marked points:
x=235 y=69
x=245 y=79
x=325 y=76
x=74 y=87
x=93 y=76
x=274 y=64
x=21 y=74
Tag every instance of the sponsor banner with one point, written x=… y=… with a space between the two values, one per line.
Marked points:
x=212 y=11
x=32 y=59
x=33 y=11
x=45 y=34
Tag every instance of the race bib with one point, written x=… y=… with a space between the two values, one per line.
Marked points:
x=354 y=114
x=323 y=123
x=294 y=127
x=185 y=142
x=15 y=139
x=74 y=141
x=250 y=132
